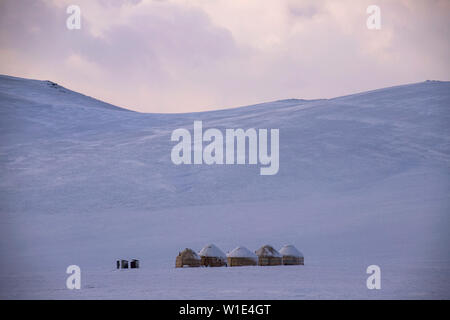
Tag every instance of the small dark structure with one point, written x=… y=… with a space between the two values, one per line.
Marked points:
x=134 y=264
x=124 y=264
x=187 y=257
x=268 y=256
x=211 y=256
x=291 y=256
x=118 y=264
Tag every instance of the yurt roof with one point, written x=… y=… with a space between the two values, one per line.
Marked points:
x=241 y=252
x=189 y=253
x=290 y=250
x=211 y=251
x=267 y=251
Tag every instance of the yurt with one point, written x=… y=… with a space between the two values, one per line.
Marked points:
x=268 y=256
x=291 y=256
x=187 y=257
x=241 y=256
x=211 y=256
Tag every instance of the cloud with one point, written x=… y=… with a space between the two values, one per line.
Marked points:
x=182 y=55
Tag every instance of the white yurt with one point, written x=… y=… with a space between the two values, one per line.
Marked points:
x=212 y=256
x=241 y=256
x=291 y=255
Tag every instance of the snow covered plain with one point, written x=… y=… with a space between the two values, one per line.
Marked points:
x=363 y=179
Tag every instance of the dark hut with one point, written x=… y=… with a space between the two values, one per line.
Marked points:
x=134 y=264
x=124 y=264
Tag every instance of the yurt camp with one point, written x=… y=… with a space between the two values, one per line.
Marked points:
x=268 y=256
x=211 y=256
x=187 y=257
x=241 y=256
x=291 y=256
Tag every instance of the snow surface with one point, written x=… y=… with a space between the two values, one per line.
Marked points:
x=241 y=252
x=290 y=250
x=212 y=251
x=363 y=179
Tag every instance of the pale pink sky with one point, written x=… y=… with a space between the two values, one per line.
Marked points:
x=183 y=55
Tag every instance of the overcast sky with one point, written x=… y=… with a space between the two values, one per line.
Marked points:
x=181 y=56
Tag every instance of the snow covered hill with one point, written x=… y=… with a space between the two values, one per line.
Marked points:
x=363 y=179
